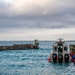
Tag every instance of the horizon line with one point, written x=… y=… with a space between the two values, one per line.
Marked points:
x=33 y=40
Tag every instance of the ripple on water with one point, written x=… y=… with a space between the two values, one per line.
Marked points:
x=32 y=62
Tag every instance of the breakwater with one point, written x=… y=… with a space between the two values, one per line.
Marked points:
x=21 y=46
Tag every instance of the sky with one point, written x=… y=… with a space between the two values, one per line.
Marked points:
x=37 y=19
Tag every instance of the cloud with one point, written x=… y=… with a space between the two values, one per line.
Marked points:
x=41 y=34
x=34 y=14
x=31 y=7
x=35 y=7
x=42 y=7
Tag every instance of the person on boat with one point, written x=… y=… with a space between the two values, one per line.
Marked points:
x=72 y=54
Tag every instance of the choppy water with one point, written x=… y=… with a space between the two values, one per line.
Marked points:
x=32 y=62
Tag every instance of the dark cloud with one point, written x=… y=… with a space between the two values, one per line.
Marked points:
x=61 y=15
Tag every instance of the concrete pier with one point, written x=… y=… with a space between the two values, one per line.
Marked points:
x=21 y=46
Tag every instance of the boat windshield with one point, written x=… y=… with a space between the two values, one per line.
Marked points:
x=55 y=49
x=59 y=49
x=65 y=48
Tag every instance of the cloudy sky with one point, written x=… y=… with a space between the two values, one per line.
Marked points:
x=37 y=19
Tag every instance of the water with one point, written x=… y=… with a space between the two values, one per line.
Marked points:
x=32 y=62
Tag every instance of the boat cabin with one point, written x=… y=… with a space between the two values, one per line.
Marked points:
x=60 y=47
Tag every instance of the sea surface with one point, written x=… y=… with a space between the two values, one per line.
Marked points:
x=32 y=62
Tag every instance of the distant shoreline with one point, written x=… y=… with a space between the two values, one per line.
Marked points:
x=33 y=41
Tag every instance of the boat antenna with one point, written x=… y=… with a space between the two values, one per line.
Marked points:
x=60 y=39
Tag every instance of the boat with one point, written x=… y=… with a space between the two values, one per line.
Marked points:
x=72 y=53
x=59 y=52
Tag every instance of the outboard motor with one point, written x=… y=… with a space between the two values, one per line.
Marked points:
x=66 y=57
x=54 y=57
x=60 y=58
